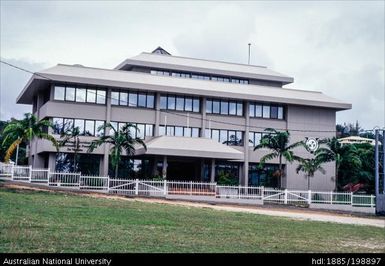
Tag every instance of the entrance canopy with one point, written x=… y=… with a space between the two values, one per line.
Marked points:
x=189 y=147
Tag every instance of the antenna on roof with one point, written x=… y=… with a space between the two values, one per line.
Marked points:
x=248 y=61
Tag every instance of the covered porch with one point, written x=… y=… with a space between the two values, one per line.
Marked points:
x=192 y=159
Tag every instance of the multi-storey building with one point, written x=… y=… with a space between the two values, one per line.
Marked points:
x=193 y=114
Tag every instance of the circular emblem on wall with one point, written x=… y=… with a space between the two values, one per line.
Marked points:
x=312 y=144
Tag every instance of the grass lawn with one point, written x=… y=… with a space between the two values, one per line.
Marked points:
x=32 y=221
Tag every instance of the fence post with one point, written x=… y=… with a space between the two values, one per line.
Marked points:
x=165 y=187
x=30 y=174
x=108 y=184
x=262 y=193
x=191 y=192
x=309 y=196
x=372 y=201
x=239 y=191
x=331 y=197
x=48 y=176
x=351 y=198
x=136 y=186
x=12 y=170
x=285 y=200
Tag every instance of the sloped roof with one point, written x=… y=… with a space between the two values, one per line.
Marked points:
x=204 y=66
x=167 y=84
x=190 y=147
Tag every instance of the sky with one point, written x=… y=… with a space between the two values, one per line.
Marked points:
x=336 y=47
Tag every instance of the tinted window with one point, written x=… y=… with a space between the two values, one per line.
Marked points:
x=98 y=130
x=224 y=108
x=133 y=99
x=70 y=94
x=252 y=110
x=142 y=100
x=171 y=102
x=123 y=100
x=79 y=124
x=240 y=109
x=280 y=112
x=114 y=98
x=59 y=93
x=274 y=112
x=216 y=107
x=91 y=96
x=188 y=106
x=266 y=111
x=101 y=97
x=163 y=102
x=196 y=105
x=89 y=129
x=258 y=110
x=57 y=125
x=179 y=131
x=150 y=101
x=232 y=108
x=179 y=103
x=81 y=95
x=209 y=106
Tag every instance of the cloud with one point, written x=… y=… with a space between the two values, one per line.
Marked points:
x=333 y=47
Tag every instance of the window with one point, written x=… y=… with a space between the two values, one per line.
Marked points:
x=254 y=138
x=224 y=108
x=187 y=132
x=258 y=110
x=223 y=136
x=179 y=131
x=68 y=124
x=150 y=101
x=239 y=109
x=252 y=110
x=142 y=100
x=81 y=95
x=114 y=98
x=70 y=94
x=266 y=111
x=215 y=107
x=114 y=126
x=140 y=131
x=163 y=102
x=215 y=134
x=57 y=125
x=101 y=97
x=188 y=104
x=91 y=96
x=123 y=98
x=235 y=80
x=171 y=102
x=229 y=137
x=274 y=112
x=170 y=131
x=196 y=106
x=90 y=128
x=59 y=93
x=251 y=139
x=195 y=132
x=232 y=108
x=79 y=123
x=162 y=131
x=280 y=112
x=132 y=99
x=209 y=106
x=98 y=130
x=149 y=130
x=179 y=103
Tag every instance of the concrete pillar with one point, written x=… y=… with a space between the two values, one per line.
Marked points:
x=203 y=109
x=107 y=146
x=245 y=173
x=164 y=167
x=157 y=114
x=202 y=172
x=52 y=161
x=212 y=174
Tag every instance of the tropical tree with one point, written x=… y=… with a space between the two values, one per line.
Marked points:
x=25 y=130
x=310 y=167
x=333 y=150
x=119 y=140
x=71 y=136
x=278 y=143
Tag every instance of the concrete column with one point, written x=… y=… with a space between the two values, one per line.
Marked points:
x=157 y=114
x=107 y=146
x=203 y=109
x=52 y=161
x=245 y=178
x=202 y=172
x=212 y=174
x=164 y=167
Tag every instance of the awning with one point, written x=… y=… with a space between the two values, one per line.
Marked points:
x=189 y=147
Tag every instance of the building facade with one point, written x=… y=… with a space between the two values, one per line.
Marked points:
x=200 y=119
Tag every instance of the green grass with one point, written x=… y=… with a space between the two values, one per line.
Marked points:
x=32 y=221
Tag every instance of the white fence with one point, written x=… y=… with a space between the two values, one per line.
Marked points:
x=163 y=188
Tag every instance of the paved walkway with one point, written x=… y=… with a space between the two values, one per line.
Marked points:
x=280 y=212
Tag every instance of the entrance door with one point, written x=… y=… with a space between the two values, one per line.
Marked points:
x=182 y=170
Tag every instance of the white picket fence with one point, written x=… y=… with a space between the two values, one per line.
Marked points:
x=162 y=188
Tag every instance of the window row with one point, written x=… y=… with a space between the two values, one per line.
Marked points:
x=142 y=131
x=179 y=131
x=224 y=107
x=266 y=111
x=180 y=103
x=79 y=94
x=86 y=127
x=198 y=76
x=132 y=99
x=224 y=136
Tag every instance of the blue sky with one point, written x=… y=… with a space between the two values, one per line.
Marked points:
x=333 y=47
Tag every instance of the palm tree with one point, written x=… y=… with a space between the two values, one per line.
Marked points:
x=278 y=142
x=338 y=153
x=26 y=130
x=71 y=135
x=120 y=140
x=309 y=167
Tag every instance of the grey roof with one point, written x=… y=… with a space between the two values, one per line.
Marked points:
x=204 y=66
x=190 y=147
x=167 y=84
